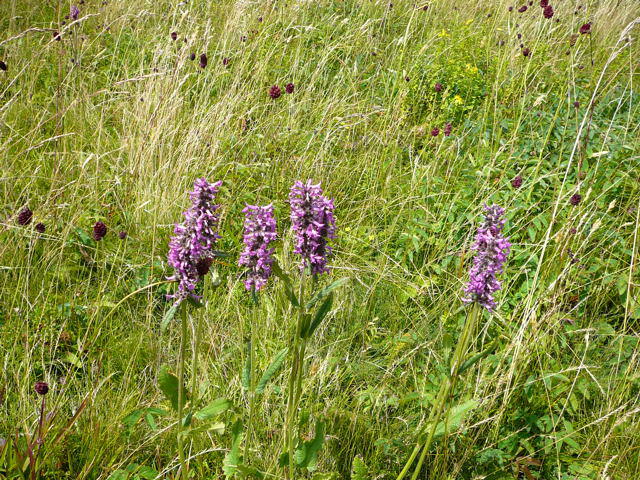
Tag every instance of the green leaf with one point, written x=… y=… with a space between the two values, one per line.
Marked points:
x=119 y=475
x=168 y=383
x=215 y=408
x=454 y=417
x=359 y=470
x=133 y=417
x=307 y=455
x=288 y=287
x=249 y=472
x=319 y=316
x=272 y=369
x=326 y=291
x=166 y=319
x=232 y=458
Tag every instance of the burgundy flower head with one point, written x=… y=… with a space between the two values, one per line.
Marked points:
x=41 y=388
x=447 y=129
x=275 y=92
x=225 y=61
x=586 y=28
x=548 y=11
x=289 y=88
x=25 y=216
x=174 y=36
x=40 y=227
x=435 y=132
x=526 y=51
x=544 y=3
x=99 y=231
x=122 y=235
x=3 y=66
x=203 y=60
x=438 y=87
x=516 y=182
x=523 y=9
x=575 y=199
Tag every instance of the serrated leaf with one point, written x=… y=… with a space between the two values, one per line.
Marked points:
x=272 y=369
x=214 y=409
x=168 y=384
x=326 y=291
x=359 y=470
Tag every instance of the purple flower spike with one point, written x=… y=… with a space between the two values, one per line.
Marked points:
x=191 y=247
x=75 y=12
x=259 y=232
x=313 y=225
x=492 y=249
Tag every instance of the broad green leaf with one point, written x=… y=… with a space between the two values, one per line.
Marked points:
x=306 y=455
x=132 y=418
x=359 y=470
x=272 y=369
x=119 y=475
x=232 y=458
x=168 y=383
x=455 y=417
x=326 y=291
x=249 y=472
x=213 y=409
x=319 y=316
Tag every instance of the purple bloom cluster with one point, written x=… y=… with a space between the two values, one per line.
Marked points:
x=313 y=225
x=191 y=247
x=492 y=249
x=259 y=232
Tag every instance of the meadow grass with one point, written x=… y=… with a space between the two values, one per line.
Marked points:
x=114 y=122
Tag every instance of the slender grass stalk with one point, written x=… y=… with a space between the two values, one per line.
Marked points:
x=183 y=474
x=446 y=389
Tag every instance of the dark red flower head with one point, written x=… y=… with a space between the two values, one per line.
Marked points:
x=576 y=104
x=511 y=9
x=3 y=66
x=526 y=51
x=544 y=3
x=99 y=231
x=523 y=9
x=548 y=11
x=447 y=129
x=435 y=132
x=586 y=28
x=438 y=87
x=516 y=182
x=122 y=235
x=289 y=88
x=225 y=61
x=174 y=36
x=192 y=56
x=41 y=388
x=25 y=216
x=575 y=199
x=275 y=92
x=203 y=60
x=40 y=227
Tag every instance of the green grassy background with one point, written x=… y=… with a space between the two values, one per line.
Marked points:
x=114 y=122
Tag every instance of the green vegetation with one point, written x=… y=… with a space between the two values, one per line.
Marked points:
x=115 y=121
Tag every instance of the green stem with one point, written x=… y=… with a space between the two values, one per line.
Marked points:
x=251 y=392
x=446 y=389
x=183 y=474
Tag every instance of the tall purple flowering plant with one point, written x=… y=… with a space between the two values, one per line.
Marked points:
x=257 y=256
x=313 y=225
x=492 y=249
x=191 y=247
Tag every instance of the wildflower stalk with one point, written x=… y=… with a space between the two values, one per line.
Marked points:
x=183 y=474
x=252 y=384
x=446 y=389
